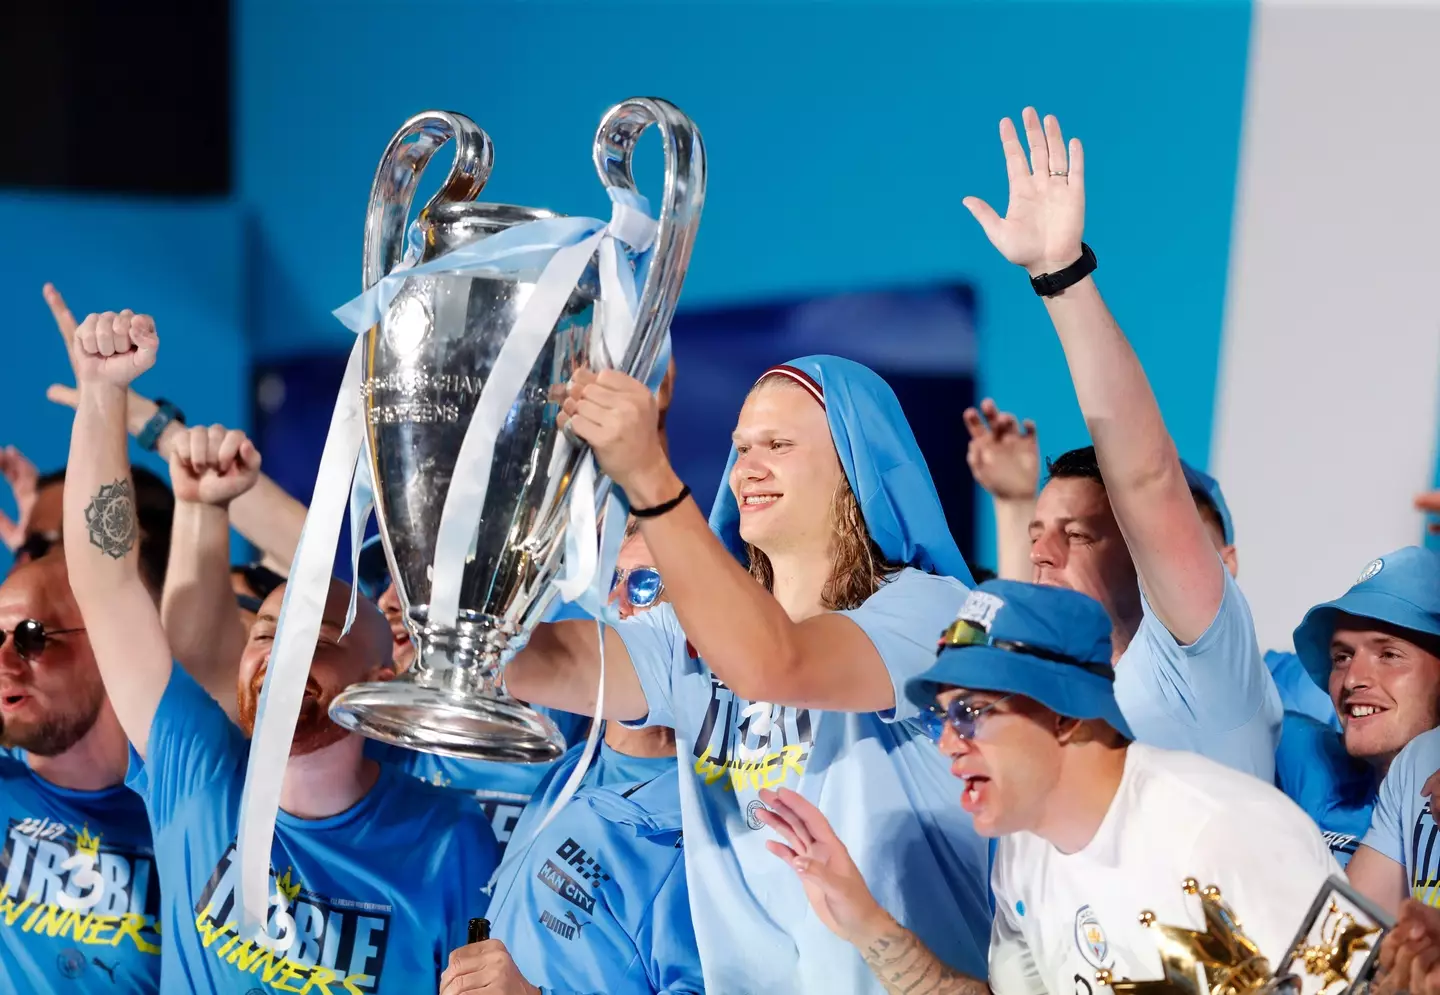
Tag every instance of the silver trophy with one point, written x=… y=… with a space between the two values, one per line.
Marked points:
x=426 y=362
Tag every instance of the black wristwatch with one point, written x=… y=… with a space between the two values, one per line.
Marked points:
x=165 y=413
x=1050 y=284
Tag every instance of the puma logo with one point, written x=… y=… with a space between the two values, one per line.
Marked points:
x=107 y=968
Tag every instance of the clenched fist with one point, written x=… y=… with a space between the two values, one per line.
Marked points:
x=113 y=348
x=484 y=967
x=213 y=465
x=620 y=419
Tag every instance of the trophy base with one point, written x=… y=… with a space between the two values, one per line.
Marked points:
x=422 y=715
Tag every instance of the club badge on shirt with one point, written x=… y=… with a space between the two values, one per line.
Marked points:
x=1090 y=938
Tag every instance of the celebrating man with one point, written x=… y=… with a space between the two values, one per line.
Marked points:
x=1094 y=829
x=1379 y=645
x=785 y=673
x=375 y=873
x=1119 y=521
x=80 y=904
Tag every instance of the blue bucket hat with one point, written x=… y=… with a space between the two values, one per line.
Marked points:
x=882 y=462
x=1049 y=644
x=1209 y=487
x=1400 y=588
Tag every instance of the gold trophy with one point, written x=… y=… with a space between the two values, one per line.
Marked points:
x=1334 y=953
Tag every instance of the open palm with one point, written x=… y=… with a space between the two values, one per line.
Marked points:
x=833 y=884
x=1045 y=217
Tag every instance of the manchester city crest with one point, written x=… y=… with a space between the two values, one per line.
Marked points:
x=1090 y=938
x=1371 y=569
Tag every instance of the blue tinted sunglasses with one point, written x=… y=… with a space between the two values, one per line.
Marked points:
x=960 y=716
x=643 y=585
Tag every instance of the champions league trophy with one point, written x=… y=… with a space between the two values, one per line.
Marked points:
x=439 y=343
x=1334 y=952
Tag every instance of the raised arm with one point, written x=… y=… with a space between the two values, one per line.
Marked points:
x=1004 y=458
x=843 y=902
x=1179 y=571
x=266 y=515
x=560 y=668
x=744 y=634
x=209 y=469
x=108 y=351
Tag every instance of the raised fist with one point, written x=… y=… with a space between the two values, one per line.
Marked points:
x=113 y=348
x=213 y=465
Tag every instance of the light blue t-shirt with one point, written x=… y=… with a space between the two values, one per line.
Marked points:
x=1313 y=768
x=79 y=896
x=878 y=778
x=373 y=899
x=1214 y=697
x=597 y=901
x=1403 y=827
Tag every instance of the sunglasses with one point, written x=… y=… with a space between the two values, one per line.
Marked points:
x=643 y=585
x=960 y=716
x=30 y=637
x=965 y=633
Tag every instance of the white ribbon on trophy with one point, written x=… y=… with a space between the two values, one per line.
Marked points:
x=559 y=249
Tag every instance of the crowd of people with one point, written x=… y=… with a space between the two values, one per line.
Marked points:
x=831 y=760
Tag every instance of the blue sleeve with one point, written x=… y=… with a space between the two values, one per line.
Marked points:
x=904 y=619
x=193 y=746
x=1399 y=795
x=654 y=639
x=667 y=939
x=472 y=841
x=1220 y=681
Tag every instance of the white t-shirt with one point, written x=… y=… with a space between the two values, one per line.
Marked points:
x=1061 y=918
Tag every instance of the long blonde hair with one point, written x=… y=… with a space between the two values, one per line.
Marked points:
x=858 y=566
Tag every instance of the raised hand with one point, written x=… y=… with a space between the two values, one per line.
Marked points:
x=484 y=967
x=1004 y=454
x=833 y=884
x=1046 y=215
x=22 y=476
x=213 y=465
x=113 y=348
x=620 y=419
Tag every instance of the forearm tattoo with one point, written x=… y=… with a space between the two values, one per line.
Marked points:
x=110 y=517
x=905 y=966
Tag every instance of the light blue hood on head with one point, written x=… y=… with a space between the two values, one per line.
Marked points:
x=882 y=462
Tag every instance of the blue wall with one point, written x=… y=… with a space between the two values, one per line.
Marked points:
x=841 y=139
x=181 y=262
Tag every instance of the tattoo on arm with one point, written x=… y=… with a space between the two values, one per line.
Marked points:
x=111 y=519
x=905 y=966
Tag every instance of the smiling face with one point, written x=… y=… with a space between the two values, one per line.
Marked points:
x=786 y=471
x=1385 y=686
x=339 y=661
x=402 y=648
x=47 y=704
x=1011 y=766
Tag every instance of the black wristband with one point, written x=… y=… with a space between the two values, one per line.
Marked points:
x=165 y=413
x=1050 y=284
x=661 y=509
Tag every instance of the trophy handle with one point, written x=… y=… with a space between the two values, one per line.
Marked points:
x=399 y=173
x=680 y=205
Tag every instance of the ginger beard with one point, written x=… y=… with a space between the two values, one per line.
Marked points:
x=313 y=729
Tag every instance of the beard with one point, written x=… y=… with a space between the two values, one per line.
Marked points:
x=313 y=729
x=60 y=730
